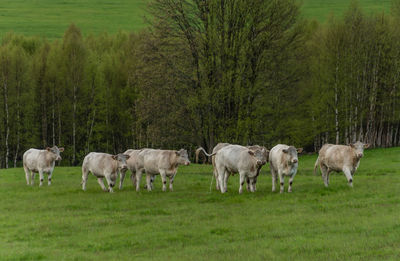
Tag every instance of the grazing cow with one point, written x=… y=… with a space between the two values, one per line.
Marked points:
x=103 y=165
x=40 y=161
x=340 y=158
x=163 y=162
x=283 y=161
x=238 y=159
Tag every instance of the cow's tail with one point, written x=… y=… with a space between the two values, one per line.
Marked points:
x=202 y=150
x=316 y=166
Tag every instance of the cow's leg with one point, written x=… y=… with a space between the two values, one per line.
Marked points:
x=255 y=183
x=273 y=174
x=242 y=177
x=226 y=176
x=122 y=177
x=27 y=174
x=41 y=176
x=49 y=177
x=148 y=182
x=171 y=181
x=138 y=178
x=324 y=171
x=248 y=184
x=163 y=179
x=85 y=174
x=221 y=175
x=133 y=178
x=215 y=172
x=110 y=183
x=32 y=177
x=291 y=182
x=347 y=173
x=281 y=181
x=153 y=177
x=101 y=183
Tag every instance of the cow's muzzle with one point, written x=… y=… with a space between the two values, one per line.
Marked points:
x=58 y=158
x=187 y=163
x=294 y=161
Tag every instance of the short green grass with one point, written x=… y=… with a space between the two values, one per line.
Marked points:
x=50 y=18
x=61 y=222
x=320 y=10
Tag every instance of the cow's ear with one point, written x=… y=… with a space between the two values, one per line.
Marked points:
x=114 y=157
x=61 y=149
x=352 y=145
x=299 y=150
x=177 y=153
x=127 y=156
x=366 y=146
x=48 y=149
x=251 y=152
x=285 y=151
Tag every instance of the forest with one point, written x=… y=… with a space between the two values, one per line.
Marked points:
x=202 y=72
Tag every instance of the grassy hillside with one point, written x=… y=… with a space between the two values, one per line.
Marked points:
x=50 y=18
x=312 y=223
x=321 y=9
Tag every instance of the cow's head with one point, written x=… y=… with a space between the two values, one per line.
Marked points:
x=55 y=151
x=182 y=157
x=260 y=154
x=121 y=159
x=291 y=154
x=358 y=148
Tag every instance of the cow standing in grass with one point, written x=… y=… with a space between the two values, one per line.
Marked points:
x=340 y=158
x=103 y=165
x=239 y=159
x=40 y=161
x=163 y=162
x=283 y=162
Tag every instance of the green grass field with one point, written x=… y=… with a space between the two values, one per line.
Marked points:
x=62 y=222
x=50 y=18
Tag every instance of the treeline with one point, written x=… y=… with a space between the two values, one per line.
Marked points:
x=203 y=72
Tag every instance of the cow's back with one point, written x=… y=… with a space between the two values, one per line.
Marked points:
x=233 y=157
x=154 y=160
x=338 y=156
x=33 y=159
x=99 y=163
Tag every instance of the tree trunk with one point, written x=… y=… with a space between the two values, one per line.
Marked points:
x=7 y=127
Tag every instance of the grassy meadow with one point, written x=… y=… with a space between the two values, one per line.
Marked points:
x=61 y=222
x=50 y=18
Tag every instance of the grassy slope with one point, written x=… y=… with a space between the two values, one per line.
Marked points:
x=322 y=9
x=313 y=222
x=50 y=18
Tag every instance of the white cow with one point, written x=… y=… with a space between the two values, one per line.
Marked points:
x=239 y=159
x=340 y=158
x=163 y=162
x=103 y=165
x=40 y=161
x=283 y=162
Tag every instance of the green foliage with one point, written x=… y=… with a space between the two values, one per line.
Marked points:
x=190 y=223
x=203 y=72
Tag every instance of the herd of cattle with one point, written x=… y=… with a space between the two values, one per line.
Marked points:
x=227 y=159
